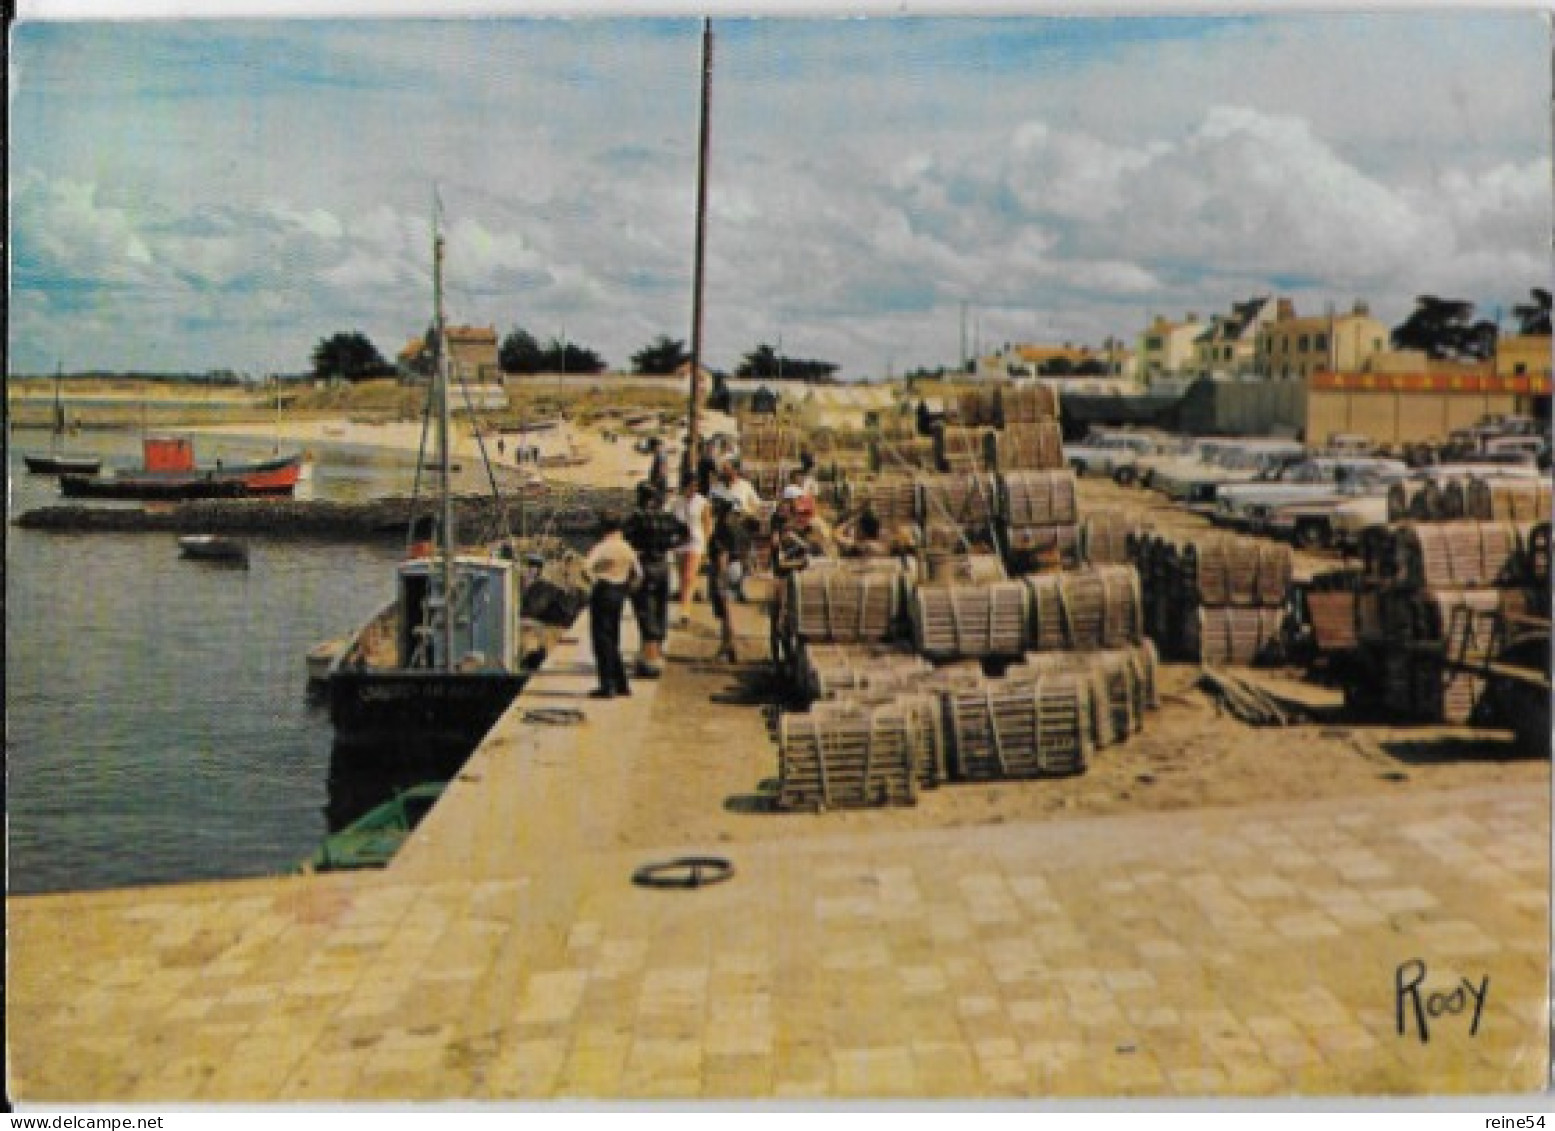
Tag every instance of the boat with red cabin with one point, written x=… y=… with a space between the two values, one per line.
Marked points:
x=169 y=471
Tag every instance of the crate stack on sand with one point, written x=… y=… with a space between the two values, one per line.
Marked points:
x=1218 y=600
x=999 y=653
x=1433 y=596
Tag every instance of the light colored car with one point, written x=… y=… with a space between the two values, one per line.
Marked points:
x=1115 y=453
x=1249 y=506
x=1221 y=463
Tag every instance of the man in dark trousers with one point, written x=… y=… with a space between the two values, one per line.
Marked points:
x=653 y=532
x=659 y=468
x=613 y=568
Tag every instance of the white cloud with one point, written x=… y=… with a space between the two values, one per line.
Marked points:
x=867 y=178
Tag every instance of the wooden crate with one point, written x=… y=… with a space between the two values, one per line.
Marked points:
x=829 y=670
x=1027 y=403
x=855 y=756
x=968 y=499
x=1037 y=498
x=970 y=620
x=1233 y=636
x=1087 y=609
x=1010 y=731
x=1458 y=555
x=1108 y=537
x=1512 y=500
x=958 y=448
x=1041 y=549
x=1031 y=447
x=1122 y=683
x=843 y=604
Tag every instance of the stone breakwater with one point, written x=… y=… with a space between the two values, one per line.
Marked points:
x=566 y=511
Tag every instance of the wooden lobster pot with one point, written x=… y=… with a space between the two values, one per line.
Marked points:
x=859 y=756
x=1085 y=610
x=1513 y=500
x=1032 y=447
x=969 y=620
x=1010 y=731
x=828 y=670
x=964 y=499
x=1232 y=636
x=1334 y=620
x=768 y=444
x=1106 y=537
x=1400 y=498
x=948 y=538
x=918 y=453
x=978 y=407
x=1037 y=498
x=959 y=449
x=843 y=605
x=1122 y=683
x=1458 y=555
x=1236 y=571
x=1454 y=502
x=1041 y=549
x=1442 y=693
x=1027 y=404
x=942 y=568
x=893 y=498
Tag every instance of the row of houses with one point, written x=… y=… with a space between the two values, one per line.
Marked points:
x=1263 y=337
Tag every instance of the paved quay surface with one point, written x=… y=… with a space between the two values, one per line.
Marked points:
x=1226 y=952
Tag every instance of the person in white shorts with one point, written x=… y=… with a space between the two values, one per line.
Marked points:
x=690 y=506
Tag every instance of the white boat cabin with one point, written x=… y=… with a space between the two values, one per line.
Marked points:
x=487 y=604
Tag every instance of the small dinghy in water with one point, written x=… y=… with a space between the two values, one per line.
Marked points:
x=214 y=548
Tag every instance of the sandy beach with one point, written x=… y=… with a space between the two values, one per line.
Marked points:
x=601 y=460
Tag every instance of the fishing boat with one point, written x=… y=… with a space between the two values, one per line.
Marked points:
x=56 y=463
x=372 y=839
x=442 y=661
x=169 y=471
x=214 y=548
x=62 y=465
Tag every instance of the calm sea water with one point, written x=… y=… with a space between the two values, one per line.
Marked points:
x=158 y=723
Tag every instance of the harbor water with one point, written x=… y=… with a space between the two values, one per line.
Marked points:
x=159 y=727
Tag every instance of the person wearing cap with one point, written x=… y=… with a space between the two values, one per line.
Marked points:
x=728 y=542
x=613 y=568
x=653 y=532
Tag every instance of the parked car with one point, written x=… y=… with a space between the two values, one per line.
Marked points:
x=1116 y=453
x=1221 y=463
x=1301 y=496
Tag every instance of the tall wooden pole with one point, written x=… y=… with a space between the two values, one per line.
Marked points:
x=693 y=425
x=449 y=538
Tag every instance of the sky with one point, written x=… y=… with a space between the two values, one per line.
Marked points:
x=192 y=195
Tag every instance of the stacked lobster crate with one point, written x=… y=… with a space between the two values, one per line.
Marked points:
x=1428 y=614
x=1454 y=498
x=1218 y=600
x=943 y=668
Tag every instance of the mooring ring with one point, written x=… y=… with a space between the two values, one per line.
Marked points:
x=684 y=872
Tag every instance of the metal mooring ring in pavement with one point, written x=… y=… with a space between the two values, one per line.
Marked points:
x=684 y=872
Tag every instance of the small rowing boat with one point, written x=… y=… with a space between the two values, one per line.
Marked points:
x=214 y=548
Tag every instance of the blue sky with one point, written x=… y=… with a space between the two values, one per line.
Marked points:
x=222 y=194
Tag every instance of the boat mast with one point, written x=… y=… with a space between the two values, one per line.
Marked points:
x=440 y=382
x=693 y=429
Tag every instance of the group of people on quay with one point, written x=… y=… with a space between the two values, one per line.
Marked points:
x=715 y=529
